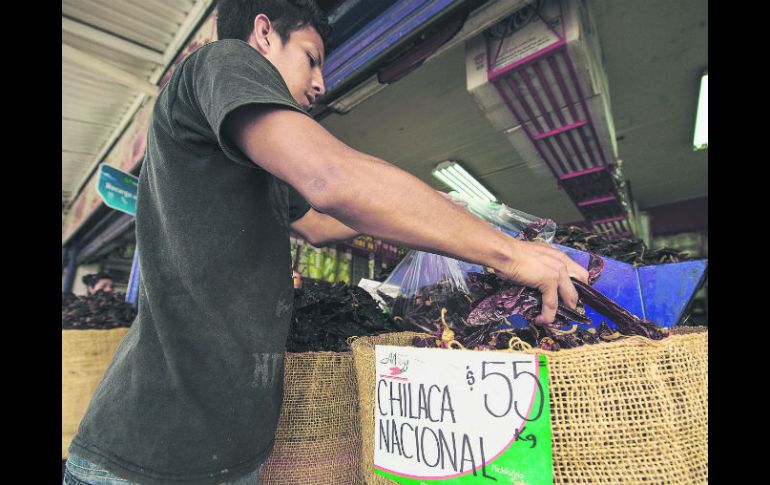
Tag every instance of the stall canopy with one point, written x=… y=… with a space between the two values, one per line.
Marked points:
x=115 y=55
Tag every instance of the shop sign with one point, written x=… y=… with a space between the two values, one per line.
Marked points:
x=118 y=189
x=461 y=417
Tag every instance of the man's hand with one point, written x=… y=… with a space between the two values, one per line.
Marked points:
x=544 y=267
x=540 y=266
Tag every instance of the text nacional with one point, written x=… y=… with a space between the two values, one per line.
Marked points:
x=428 y=443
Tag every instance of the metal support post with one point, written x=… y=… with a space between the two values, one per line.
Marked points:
x=71 y=267
x=132 y=294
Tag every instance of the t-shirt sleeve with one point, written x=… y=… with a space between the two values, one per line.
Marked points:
x=298 y=206
x=229 y=74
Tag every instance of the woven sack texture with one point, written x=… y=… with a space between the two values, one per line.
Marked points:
x=688 y=329
x=318 y=440
x=85 y=355
x=630 y=411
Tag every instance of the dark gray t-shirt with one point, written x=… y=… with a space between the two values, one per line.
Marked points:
x=194 y=391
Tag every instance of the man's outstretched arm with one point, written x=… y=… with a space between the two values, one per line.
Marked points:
x=319 y=229
x=374 y=197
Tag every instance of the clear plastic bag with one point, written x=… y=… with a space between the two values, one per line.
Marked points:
x=428 y=290
x=421 y=285
x=515 y=222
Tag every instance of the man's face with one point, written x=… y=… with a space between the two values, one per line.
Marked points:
x=104 y=284
x=299 y=61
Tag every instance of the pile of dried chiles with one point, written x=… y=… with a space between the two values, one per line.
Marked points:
x=476 y=319
x=102 y=310
x=628 y=250
x=472 y=321
x=326 y=315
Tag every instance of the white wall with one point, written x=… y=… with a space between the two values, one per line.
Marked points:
x=78 y=287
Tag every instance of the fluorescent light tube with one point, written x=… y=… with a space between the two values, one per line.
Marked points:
x=459 y=183
x=453 y=175
x=451 y=181
x=466 y=181
x=483 y=190
x=701 y=140
x=456 y=184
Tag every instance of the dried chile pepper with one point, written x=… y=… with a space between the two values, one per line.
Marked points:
x=629 y=250
x=479 y=329
x=101 y=310
x=475 y=319
x=325 y=315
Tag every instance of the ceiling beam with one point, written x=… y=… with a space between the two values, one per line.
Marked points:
x=479 y=20
x=116 y=74
x=110 y=41
x=193 y=17
x=177 y=43
x=120 y=128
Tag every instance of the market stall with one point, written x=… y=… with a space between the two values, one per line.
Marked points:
x=409 y=367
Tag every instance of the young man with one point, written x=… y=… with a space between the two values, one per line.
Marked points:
x=233 y=162
x=98 y=282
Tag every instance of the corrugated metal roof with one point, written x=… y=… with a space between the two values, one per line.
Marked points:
x=652 y=74
x=113 y=55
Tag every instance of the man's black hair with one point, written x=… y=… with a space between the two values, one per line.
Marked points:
x=235 y=18
x=91 y=279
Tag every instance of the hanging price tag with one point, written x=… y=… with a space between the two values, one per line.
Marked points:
x=118 y=189
x=461 y=417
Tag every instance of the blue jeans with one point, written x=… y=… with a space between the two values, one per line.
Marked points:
x=83 y=472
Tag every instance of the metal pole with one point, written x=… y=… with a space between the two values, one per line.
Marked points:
x=71 y=266
x=132 y=295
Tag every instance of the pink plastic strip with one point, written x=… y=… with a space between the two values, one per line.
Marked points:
x=538 y=127
x=539 y=72
x=561 y=130
x=493 y=74
x=547 y=118
x=573 y=73
x=560 y=80
x=509 y=103
x=581 y=173
x=597 y=201
x=607 y=221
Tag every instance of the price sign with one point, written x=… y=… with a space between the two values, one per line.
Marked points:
x=461 y=417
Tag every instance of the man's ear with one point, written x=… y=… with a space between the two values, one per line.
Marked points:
x=262 y=30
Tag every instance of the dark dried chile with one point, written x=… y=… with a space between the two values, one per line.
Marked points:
x=629 y=250
x=533 y=229
x=102 y=310
x=498 y=306
x=595 y=267
x=482 y=323
x=476 y=325
x=326 y=315
x=627 y=322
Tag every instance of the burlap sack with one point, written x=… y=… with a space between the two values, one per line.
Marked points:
x=631 y=411
x=85 y=355
x=318 y=441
